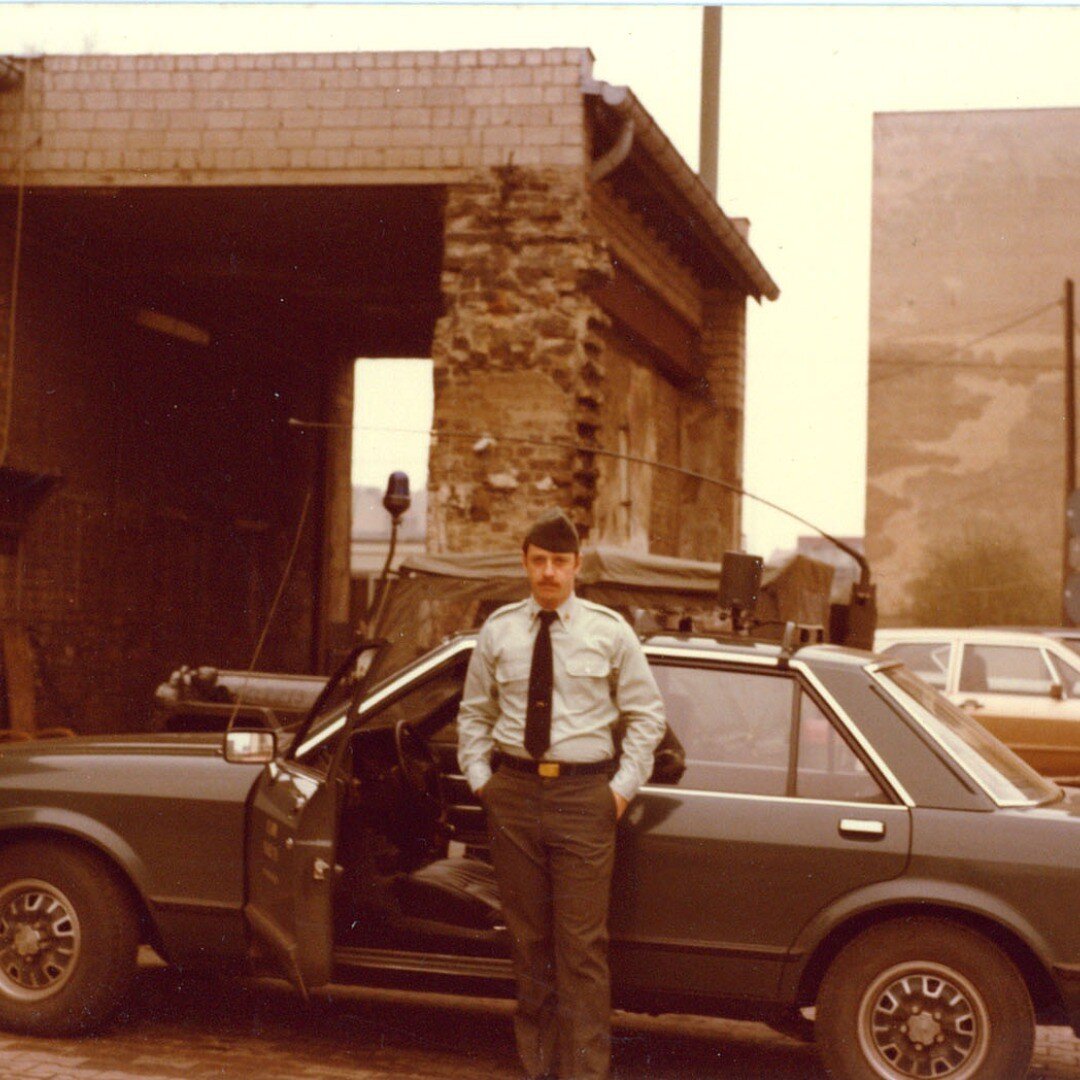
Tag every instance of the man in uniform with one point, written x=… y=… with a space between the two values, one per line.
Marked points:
x=549 y=679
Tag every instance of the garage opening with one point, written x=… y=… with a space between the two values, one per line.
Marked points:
x=165 y=339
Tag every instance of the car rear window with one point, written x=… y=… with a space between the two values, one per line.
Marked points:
x=1002 y=775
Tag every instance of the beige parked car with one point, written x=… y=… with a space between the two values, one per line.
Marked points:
x=1023 y=685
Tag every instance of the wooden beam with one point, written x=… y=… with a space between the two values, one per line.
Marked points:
x=641 y=312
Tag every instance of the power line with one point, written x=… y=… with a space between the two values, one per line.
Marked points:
x=483 y=440
x=941 y=360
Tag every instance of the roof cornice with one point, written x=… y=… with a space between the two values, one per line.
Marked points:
x=716 y=229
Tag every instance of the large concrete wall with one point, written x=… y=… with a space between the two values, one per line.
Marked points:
x=976 y=224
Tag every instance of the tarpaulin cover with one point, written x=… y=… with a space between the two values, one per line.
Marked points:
x=438 y=595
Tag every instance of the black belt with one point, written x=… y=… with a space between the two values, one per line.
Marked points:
x=551 y=769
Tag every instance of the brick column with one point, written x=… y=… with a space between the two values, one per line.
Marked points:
x=515 y=355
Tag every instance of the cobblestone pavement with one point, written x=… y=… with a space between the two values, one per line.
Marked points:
x=186 y=1028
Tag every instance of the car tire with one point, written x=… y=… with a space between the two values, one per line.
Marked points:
x=924 y=998
x=68 y=940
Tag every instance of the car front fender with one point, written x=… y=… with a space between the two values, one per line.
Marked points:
x=22 y=822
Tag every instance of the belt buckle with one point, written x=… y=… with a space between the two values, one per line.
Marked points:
x=550 y=769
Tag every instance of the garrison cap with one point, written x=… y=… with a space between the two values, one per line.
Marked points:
x=553 y=531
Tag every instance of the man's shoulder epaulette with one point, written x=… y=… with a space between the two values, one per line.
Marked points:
x=506 y=609
x=600 y=609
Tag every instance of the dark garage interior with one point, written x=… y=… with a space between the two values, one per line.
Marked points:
x=164 y=338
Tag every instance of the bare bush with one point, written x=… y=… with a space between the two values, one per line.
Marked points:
x=984 y=576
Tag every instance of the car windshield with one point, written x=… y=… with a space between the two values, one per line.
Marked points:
x=1005 y=778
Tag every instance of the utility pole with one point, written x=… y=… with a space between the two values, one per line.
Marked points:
x=1071 y=530
x=709 y=139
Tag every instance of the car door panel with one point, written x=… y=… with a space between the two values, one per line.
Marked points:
x=767 y=858
x=1007 y=688
x=764 y=867
x=291 y=870
x=1048 y=741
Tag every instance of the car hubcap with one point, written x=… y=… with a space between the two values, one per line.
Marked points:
x=923 y=1020
x=39 y=940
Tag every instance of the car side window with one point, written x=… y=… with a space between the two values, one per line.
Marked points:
x=928 y=659
x=1004 y=669
x=827 y=768
x=432 y=701
x=736 y=728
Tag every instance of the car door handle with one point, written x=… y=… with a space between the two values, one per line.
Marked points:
x=862 y=829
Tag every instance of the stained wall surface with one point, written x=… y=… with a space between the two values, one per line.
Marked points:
x=976 y=224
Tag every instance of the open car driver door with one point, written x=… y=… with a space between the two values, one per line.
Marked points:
x=292 y=837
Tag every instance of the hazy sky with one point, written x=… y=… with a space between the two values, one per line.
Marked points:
x=799 y=87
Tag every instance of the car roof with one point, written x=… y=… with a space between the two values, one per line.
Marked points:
x=741 y=648
x=998 y=634
x=720 y=647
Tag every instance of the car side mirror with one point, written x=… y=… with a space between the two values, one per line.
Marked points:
x=250 y=747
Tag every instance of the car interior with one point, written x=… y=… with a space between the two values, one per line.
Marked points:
x=411 y=836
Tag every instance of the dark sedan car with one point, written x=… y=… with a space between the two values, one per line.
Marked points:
x=841 y=837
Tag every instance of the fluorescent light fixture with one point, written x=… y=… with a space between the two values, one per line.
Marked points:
x=167 y=324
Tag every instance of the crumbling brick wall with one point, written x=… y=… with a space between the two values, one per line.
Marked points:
x=517 y=355
x=714 y=436
x=525 y=351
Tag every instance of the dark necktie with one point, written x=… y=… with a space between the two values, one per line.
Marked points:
x=541 y=681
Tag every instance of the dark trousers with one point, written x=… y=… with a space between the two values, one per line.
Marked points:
x=553 y=847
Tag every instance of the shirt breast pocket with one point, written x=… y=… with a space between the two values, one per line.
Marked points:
x=588 y=682
x=588 y=666
x=512 y=672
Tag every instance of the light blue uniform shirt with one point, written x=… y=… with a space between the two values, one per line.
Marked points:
x=601 y=674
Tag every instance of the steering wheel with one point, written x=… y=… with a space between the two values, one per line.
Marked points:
x=419 y=766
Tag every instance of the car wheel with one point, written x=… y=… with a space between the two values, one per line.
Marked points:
x=68 y=940
x=923 y=998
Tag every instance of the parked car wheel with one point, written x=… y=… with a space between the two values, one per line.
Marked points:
x=923 y=998
x=68 y=940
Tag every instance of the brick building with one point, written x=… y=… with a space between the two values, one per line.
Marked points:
x=976 y=224
x=201 y=246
